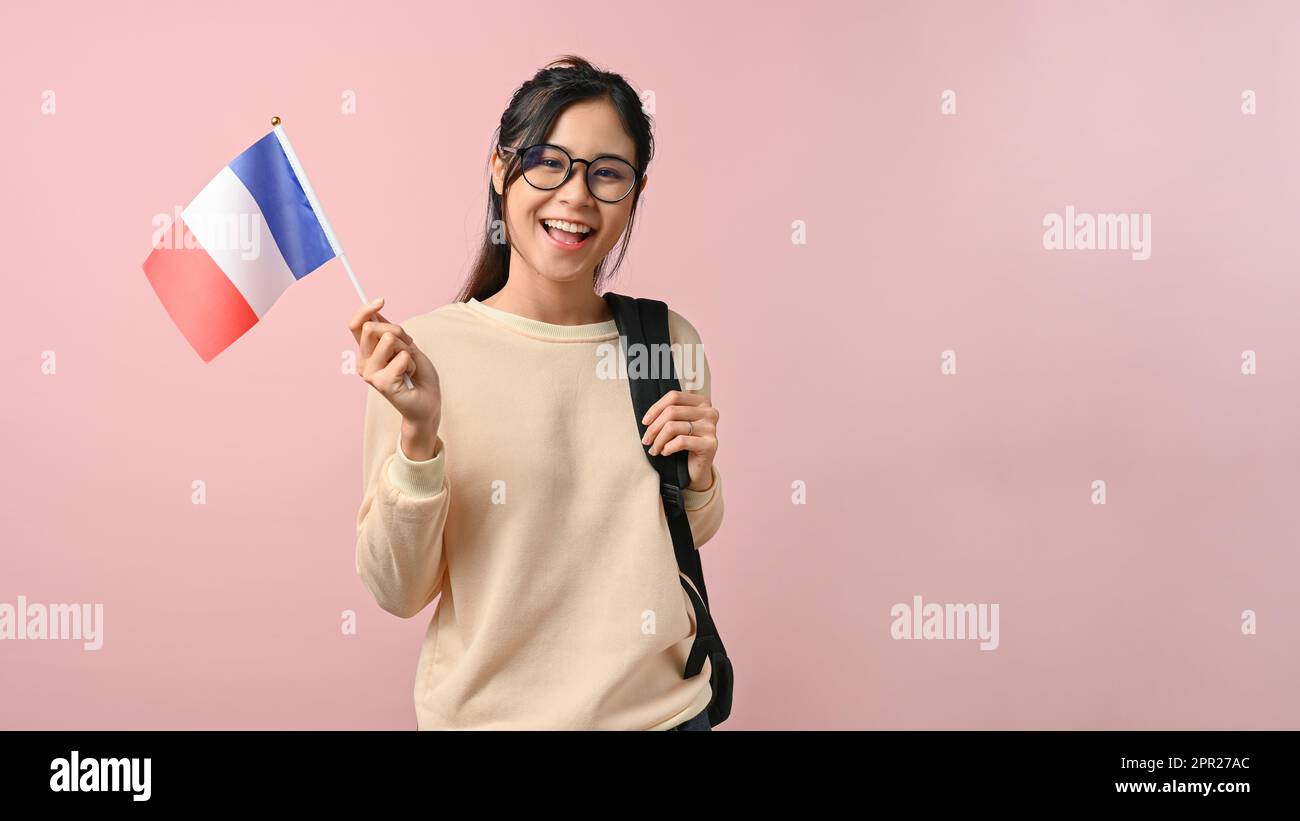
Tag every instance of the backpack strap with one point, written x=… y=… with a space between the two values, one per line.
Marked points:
x=645 y=322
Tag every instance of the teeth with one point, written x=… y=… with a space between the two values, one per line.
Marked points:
x=571 y=227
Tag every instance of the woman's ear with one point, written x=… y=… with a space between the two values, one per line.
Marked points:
x=645 y=180
x=496 y=167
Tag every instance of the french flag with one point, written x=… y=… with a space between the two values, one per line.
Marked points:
x=253 y=231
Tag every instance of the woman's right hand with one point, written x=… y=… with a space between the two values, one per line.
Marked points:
x=386 y=353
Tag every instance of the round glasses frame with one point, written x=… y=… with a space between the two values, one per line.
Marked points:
x=636 y=172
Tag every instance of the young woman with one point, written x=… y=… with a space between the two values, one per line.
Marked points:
x=509 y=478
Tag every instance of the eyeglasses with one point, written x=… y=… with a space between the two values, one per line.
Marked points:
x=547 y=167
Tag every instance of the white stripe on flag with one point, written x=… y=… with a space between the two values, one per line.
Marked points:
x=226 y=221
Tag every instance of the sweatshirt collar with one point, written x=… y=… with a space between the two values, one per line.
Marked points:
x=546 y=330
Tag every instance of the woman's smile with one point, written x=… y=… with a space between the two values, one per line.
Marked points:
x=565 y=240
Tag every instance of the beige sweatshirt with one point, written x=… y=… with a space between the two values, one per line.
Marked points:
x=539 y=522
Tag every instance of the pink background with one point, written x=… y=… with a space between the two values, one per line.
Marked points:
x=924 y=235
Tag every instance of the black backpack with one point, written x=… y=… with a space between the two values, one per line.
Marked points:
x=645 y=321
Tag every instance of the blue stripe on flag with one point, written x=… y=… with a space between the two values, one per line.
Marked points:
x=265 y=172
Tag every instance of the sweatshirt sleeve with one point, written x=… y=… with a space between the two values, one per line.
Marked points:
x=403 y=512
x=703 y=507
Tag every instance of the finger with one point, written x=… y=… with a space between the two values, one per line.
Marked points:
x=389 y=379
x=372 y=331
x=672 y=413
x=363 y=313
x=695 y=444
x=673 y=398
x=669 y=431
x=377 y=327
x=381 y=318
x=387 y=347
x=413 y=365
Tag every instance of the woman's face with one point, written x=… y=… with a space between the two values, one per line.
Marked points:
x=586 y=130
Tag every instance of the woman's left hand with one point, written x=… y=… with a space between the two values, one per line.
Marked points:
x=685 y=421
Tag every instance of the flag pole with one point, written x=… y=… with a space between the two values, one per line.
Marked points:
x=312 y=200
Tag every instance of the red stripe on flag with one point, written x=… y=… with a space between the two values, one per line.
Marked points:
x=202 y=301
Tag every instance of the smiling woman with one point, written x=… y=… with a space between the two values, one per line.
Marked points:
x=572 y=147
x=509 y=482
